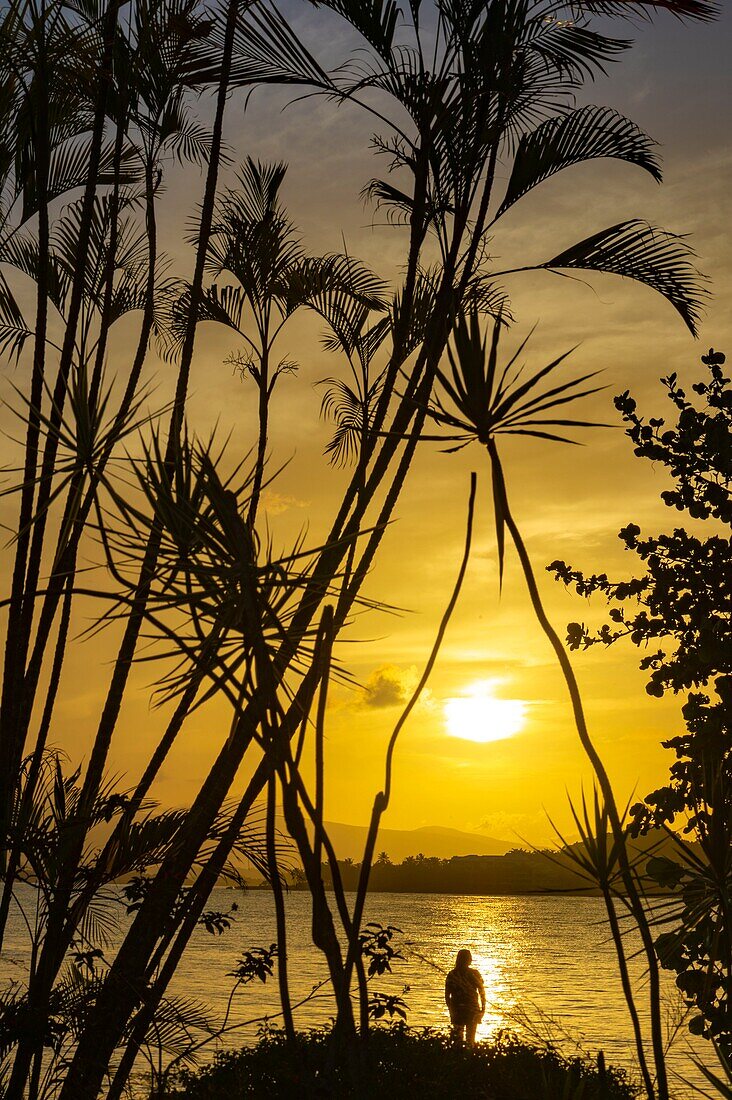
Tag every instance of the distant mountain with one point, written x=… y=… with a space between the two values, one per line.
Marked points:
x=430 y=840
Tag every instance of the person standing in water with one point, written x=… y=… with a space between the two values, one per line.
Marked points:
x=465 y=998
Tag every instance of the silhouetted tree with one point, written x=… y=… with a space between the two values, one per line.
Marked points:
x=680 y=611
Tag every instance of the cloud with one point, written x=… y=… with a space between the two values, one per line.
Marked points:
x=506 y=825
x=389 y=686
x=275 y=503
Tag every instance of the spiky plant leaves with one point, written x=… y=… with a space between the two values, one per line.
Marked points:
x=596 y=857
x=587 y=133
x=219 y=593
x=500 y=522
x=636 y=250
x=489 y=402
x=87 y=436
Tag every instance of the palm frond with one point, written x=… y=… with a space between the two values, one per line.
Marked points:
x=375 y=20
x=13 y=328
x=267 y=51
x=586 y=134
x=177 y=1024
x=343 y=405
x=701 y=10
x=68 y=169
x=636 y=250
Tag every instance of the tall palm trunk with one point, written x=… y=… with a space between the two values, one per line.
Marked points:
x=10 y=749
x=262 y=436
x=599 y=769
x=63 y=918
x=66 y=554
x=84 y=1074
x=74 y=520
x=12 y=701
x=280 y=915
x=34 y=770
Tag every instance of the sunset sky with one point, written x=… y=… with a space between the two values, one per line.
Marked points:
x=569 y=501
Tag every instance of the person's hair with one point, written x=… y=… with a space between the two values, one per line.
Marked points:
x=464 y=958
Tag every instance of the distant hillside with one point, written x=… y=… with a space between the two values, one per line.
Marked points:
x=431 y=840
x=519 y=872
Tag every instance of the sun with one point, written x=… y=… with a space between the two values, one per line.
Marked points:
x=477 y=715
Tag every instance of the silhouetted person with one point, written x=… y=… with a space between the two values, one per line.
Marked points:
x=465 y=998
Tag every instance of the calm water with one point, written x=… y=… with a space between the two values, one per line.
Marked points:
x=546 y=960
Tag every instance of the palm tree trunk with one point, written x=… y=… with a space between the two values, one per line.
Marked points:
x=36 y=763
x=11 y=750
x=22 y=638
x=72 y=527
x=197 y=898
x=259 y=463
x=280 y=916
x=51 y=956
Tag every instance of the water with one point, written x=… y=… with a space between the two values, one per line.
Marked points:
x=547 y=962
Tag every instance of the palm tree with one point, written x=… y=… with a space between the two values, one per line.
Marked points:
x=120 y=274
x=489 y=402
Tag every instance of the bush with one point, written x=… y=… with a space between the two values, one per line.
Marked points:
x=402 y=1063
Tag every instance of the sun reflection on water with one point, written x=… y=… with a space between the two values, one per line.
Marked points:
x=497 y=958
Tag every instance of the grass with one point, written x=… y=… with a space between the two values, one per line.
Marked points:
x=401 y=1063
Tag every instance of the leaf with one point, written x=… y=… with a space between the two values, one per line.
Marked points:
x=13 y=329
x=574 y=51
x=267 y=51
x=69 y=168
x=585 y=134
x=636 y=250
x=703 y=10
x=375 y=20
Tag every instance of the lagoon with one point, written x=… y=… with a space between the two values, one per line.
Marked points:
x=547 y=962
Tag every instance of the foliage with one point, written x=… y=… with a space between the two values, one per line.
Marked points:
x=376 y=945
x=97 y=102
x=404 y=1062
x=255 y=964
x=682 y=602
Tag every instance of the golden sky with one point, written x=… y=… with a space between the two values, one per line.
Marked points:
x=569 y=501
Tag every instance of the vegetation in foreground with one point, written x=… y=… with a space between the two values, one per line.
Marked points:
x=401 y=1062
